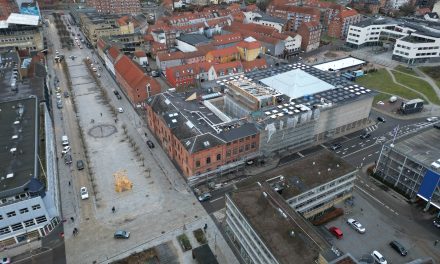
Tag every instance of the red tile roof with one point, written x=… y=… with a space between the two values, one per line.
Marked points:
x=101 y=44
x=252 y=7
x=122 y=21
x=224 y=52
x=254 y=65
x=148 y=37
x=140 y=53
x=236 y=67
x=133 y=75
x=227 y=39
x=348 y=13
x=113 y=52
x=311 y=24
x=189 y=69
x=249 y=45
x=171 y=56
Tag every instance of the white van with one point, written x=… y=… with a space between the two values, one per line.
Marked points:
x=65 y=140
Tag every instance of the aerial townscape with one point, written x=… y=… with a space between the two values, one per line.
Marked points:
x=220 y=131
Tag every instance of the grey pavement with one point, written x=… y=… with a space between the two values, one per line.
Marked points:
x=158 y=206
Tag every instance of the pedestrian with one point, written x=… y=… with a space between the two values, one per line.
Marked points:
x=73 y=219
x=145 y=134
x=69 y=183
x=101 y=114
x=436 y=242
x=113 y=209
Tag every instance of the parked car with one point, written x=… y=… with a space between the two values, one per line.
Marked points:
x=67 y=159
x=122 y=234
x=336 y=232
x=381 y=119
x=66 y=94
x=432 y=119
x=356 y=225
x=150 y=144
x=437 y=126
x=120 y=110
x=204 y=197
x=365 y=135
x=336 y=146
x=59 y=104
x=378 y=257
x=84 y=193
x=80 y=165
x=399 y=248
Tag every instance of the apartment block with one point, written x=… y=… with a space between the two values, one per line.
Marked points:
x=23 y=32
x=294 y=15
x=310 y=33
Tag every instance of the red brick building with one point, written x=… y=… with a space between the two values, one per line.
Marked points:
x=311 y=35
x=132 y=78
x=295 y=15
x=199 y=149
x=223 y=55
x=338 y=25
x=186 y=75
x=115 y=7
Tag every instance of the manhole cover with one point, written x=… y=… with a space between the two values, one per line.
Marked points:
x=101 y=131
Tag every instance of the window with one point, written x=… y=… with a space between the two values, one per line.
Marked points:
x=253 y=136
x=253 y=145
x=197 y=163
x=241 y=149
x=1 y=217
x=235 y=151
x=11 y=214
x=17 y=226
x=36 y=207
x=23 y=210
x=5 y=230
x=246 y=148
x=219 y=156
x=228 y=153
x=208 y=160
x=41 y=219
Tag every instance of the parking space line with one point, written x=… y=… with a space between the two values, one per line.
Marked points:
x=221 y=197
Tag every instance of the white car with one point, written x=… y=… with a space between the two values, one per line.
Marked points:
x=356 y=225
x=94 y=69
x=378 y=258
x=120 y=110
x=84 y=193
x=432 y=119
x=66 y=150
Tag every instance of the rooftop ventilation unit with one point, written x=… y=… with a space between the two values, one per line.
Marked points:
x=14 y=137
x=9 y=175
x=17 y=122
x=13 y=150
x=206 y=143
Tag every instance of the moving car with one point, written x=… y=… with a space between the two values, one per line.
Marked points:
x=432 y=119
x=5 y=260
x=150 y=144
x=80 y=165
x=204 y=197
x=356 y=225
x=67 y=159
x=336 y=232
x=381 y=119
x=365 y=135
x=378 y=257
x=399 y=248
x=84 y=193
x=436 y=223
x=66 y=150
x=122 y=234
x=336 y=146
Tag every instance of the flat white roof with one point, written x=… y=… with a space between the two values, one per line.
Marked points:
x=339 y=64
x=22 y=19
x=296 y=83
x=3 y=24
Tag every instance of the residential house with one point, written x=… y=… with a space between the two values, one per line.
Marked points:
x=295 y=15
x=165 y=60
x=338 y=26
x=292 y=42
x=133 y=80
x=141 y=58
x=249 y=49
x=311 y=35
x=187 y=74
x=224 y=69
x=226 y=40
x=157 y=48
x=223 y=55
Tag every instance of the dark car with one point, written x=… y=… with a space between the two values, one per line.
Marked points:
x=115 y=92
x=381 y=119
x=437 y=126
x=59 y=104
x=365 y=135
x=204 y=197
x=150 y=144
x=122 y=234
x=66 y=94
x=80 y=165
x=399 y=248
x=336 y=146
x=67 y=159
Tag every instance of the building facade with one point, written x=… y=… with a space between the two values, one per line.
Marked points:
x=311 y=35
x=115 y=7
x=22 y=36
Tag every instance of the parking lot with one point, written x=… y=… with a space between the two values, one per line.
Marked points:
x=382 y=226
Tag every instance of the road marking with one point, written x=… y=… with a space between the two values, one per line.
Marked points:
x=221 y=197
x=363 y=159
x=369 y=155
x=345 y=149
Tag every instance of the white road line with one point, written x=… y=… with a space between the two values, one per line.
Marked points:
x=346 y=149
x=376 y=152
x=216 y=199
x=369 y=155
x=363 y=159
x=371 y=196
x=353 y=146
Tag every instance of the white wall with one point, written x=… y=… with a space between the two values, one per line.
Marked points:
x=185 y=47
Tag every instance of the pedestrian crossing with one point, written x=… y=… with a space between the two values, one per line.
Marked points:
x=371 y=128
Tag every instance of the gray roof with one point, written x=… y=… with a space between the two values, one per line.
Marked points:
x=247 y=129
x=269 y=18
x=422 y=147
x=20 y=164
x=194 y=39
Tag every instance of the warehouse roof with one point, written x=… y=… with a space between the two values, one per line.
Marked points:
x=339 y=64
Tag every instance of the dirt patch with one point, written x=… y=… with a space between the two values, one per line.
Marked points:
x=148 y=256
